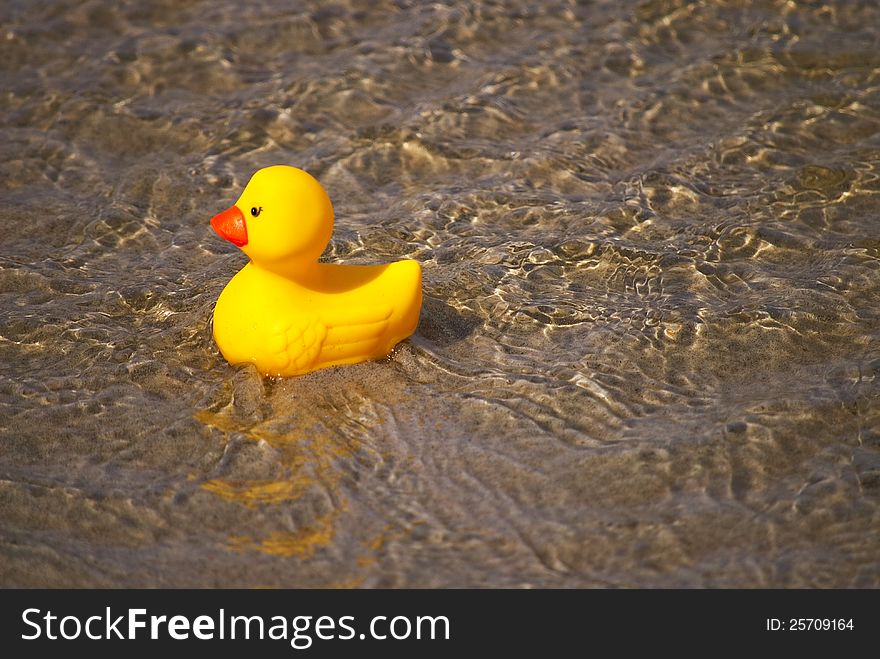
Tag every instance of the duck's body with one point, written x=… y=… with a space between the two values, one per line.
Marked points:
x=290 y=315
x=344 y=315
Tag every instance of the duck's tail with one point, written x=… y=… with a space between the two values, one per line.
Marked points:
x=404 y=279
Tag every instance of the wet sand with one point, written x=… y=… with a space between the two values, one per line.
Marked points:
x=648 y=352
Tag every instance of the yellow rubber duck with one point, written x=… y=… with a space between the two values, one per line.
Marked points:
x=289 y=314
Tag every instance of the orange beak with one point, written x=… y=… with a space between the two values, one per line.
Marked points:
x=230 y=225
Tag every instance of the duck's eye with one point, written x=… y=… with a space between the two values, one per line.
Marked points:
x=256 y=211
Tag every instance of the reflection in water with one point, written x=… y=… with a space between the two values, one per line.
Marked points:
x=305 y=465
x=648 y=350
x=301 y=543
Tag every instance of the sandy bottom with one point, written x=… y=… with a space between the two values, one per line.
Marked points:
x=649 y=349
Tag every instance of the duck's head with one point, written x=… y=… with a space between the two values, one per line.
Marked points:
x=283 y=220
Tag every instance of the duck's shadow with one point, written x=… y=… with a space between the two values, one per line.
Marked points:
x=442 y=324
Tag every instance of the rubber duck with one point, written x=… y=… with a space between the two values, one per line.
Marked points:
x=286 y=312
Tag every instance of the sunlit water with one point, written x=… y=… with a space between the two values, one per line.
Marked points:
x=648 y=353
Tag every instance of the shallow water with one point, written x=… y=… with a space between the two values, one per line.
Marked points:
x=648 y=353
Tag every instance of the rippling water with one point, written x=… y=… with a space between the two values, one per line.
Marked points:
x=648 y=354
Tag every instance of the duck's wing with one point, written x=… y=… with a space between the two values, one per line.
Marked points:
x=337 y=335
x=293 y=346
x=353 y=331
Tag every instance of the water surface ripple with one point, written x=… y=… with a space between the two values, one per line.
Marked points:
x=648 y=354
